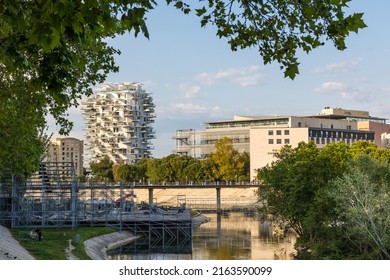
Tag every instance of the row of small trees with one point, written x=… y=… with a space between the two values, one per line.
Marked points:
x=337 y=199
x=226 y=164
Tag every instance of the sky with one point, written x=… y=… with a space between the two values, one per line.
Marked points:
x=194 y=77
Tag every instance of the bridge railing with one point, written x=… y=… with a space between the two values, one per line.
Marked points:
x=172 y=184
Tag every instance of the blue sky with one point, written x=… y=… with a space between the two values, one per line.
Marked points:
x=195 y=77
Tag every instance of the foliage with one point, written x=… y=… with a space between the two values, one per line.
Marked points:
x=363 y=203
x=129 y=172
x=335 y=198
x=174 y=168
x=225 y=164
x=102 y=170
x=368 y=148
x=208 y=166
x=294 y=186
x=229 y=165
x=124 y=172
x=22 y=130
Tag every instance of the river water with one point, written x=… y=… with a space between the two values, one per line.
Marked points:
x=231 y=236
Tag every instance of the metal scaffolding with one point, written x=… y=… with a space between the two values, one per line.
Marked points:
x=54 y=198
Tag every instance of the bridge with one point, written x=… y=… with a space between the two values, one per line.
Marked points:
x=217 y=185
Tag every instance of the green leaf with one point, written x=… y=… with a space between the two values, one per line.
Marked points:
x=179 y=4
x=200 y=12
x=291 y=71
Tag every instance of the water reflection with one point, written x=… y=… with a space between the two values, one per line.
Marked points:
x=232 y=236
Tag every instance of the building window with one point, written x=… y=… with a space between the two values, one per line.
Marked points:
x=287 y=132
x=278 y=132
x=270 y=132
x=278 y=141
x=299 y=124
x=270 y=141
x=286 y=141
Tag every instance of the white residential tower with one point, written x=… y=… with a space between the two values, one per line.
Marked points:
x=118 y=119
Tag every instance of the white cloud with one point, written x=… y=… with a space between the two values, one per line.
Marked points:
x=330 y=86
x=189 y=91
x=353 y=94
x=339 y=66
x=382 y=110
x=348 y=92
x=180 y=110
x=249 y=80
x=216 y=109
x=148 y=84
x=242 y=76
x=189 y=108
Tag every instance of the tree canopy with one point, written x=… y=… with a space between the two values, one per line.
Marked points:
x=225 y=164
x=102 y=171
x=335 y=198
x=363 y=208
x=229 y=165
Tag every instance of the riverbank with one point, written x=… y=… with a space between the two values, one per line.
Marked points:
x=10 y=248
x=96 y=248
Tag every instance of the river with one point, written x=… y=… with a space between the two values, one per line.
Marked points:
x=231 y=236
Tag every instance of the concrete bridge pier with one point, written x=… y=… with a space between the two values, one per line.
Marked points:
x=218 y=199
x=150 y=196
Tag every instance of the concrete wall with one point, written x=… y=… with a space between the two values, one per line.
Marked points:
x=263 y=146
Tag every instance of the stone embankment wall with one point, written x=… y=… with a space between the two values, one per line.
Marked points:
x=207 y=196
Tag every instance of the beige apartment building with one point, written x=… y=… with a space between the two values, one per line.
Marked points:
x=262 y=137
x=65 y=150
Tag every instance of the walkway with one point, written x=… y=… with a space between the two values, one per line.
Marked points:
x=10 y=248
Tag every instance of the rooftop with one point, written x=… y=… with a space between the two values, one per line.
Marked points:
x=326 y=113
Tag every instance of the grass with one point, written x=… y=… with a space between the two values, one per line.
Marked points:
x=55 y=241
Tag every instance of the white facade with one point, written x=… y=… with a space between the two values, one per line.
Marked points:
x=118 y=118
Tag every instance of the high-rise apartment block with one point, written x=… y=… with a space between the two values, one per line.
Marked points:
x=66 y=150
x=262 y=137
x=118 y=120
